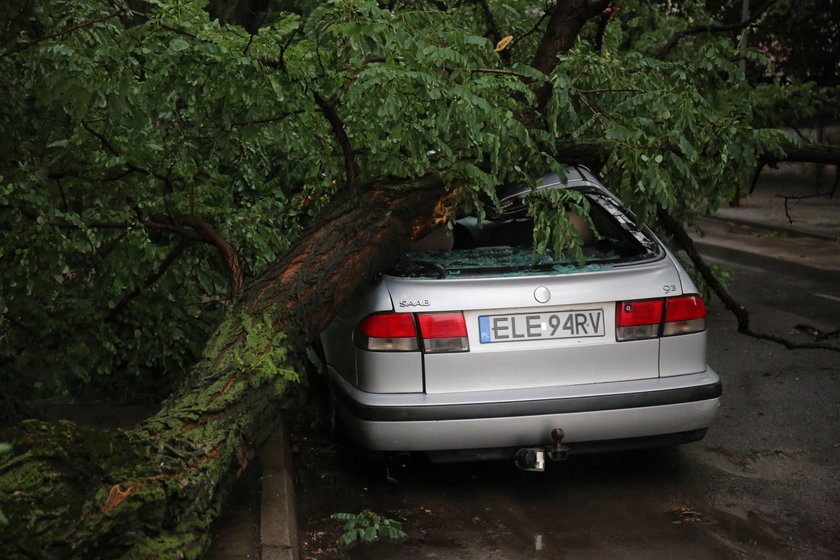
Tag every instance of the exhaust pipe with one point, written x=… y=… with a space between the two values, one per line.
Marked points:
x=401 y=460
x=397 y=462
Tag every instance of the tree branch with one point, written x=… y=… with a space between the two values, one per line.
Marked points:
x=113 y=150
x=199 y=230
x=341 y=136
x=606 y=17
x=267 y=120
x=69 y=30
x=492 y=26
x=536 y=26
x=497 y=71
x=229 y=254
x=150 y=281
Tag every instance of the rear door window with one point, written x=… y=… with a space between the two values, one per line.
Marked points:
x=503 y=245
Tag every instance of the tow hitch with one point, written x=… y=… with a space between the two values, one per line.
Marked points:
x=533 y=458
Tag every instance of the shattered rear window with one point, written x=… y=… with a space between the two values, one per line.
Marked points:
x=504 y=247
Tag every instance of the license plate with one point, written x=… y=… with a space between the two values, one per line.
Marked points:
x=539 y=326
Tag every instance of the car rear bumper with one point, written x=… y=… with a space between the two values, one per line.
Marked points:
x=499 y=419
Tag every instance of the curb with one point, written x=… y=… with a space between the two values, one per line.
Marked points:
x=789 y=230
x=278 y=517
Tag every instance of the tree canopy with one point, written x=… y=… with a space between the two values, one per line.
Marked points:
x=160 y=164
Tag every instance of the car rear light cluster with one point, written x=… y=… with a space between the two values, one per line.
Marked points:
x=403 y=332
x=650 y=318
x=388 y=332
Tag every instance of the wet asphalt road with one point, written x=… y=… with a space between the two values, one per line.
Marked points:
x=764 y=483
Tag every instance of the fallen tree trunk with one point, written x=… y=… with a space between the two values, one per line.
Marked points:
x=152 y=492
x=805 y=153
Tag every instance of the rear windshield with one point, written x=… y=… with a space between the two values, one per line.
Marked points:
x=504 y=246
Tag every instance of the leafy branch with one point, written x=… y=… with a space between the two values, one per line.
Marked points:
x=64 y=32
x=367 y=526
x=143 y=15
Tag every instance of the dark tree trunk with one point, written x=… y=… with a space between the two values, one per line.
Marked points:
x=152 y=492
x=567 y=19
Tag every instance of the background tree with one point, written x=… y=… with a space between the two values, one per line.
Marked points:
x=800 y=39
x=153 y=157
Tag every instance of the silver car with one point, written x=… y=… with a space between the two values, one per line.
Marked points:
x=468 y=348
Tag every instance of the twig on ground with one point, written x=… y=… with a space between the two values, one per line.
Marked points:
x=790 y=197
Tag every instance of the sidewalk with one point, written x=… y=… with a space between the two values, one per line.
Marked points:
x=781 y=220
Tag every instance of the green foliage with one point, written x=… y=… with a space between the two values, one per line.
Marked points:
x=679 y=132
x=367 y=526
x=120 y=116
x=127 y=118
x=104 y=128
x=548 y=208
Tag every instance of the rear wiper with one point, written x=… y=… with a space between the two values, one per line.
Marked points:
x=411 y=268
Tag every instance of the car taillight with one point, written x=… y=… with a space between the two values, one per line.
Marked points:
x=638 y=319
x=635 y=320
x=393 y=332
x=684 y=314
x=443 y=332
x=397 y=332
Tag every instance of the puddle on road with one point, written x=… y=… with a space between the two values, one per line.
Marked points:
x=747 y=537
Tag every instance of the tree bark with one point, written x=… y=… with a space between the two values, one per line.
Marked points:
x=152 y=492
x=567 y=19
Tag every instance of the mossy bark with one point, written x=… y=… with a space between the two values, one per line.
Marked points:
x=152 y=491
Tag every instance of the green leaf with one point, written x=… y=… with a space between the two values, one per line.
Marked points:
x=178 y=44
